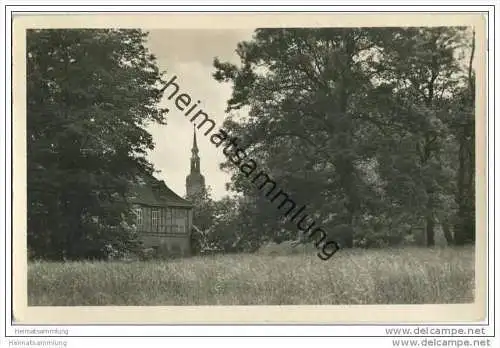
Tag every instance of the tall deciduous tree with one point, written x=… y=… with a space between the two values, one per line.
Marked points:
x=464 y=131
x=300 y=85
x=89 y=95
x=421 y=69
x=353 y=122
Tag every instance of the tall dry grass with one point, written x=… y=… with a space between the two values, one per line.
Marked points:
x=399 y=276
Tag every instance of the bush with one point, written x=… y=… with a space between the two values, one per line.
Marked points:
x=175 y=250
x=162 y=252
x=285 y=248
x=147 y=254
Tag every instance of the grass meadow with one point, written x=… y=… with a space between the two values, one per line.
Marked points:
x=398 y=276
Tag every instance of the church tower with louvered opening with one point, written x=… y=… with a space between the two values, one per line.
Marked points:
x=195 y=181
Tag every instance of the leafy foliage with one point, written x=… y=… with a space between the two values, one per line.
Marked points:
x=90 y=93
x=364 y=125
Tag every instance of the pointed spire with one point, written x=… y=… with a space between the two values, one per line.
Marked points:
x=195 y=145
x=195 y=159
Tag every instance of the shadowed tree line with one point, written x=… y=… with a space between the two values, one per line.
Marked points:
x=372 y=128
x=89 y=95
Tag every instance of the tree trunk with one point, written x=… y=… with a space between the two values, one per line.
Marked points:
x=347 y=178
x=465 y=197
x=459 y=226
x=345 y=161
x=429 y=220
x=447 y=233
x=429 y=231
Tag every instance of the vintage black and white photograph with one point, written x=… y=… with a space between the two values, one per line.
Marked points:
x=257 y=166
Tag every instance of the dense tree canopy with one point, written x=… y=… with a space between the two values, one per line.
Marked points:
x=89 y=93
x=370 y=127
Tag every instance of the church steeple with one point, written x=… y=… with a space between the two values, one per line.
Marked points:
x=195 y=182
x=195 y=159
x=195 y=145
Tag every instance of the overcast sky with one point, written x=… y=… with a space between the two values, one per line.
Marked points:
x=189 y=55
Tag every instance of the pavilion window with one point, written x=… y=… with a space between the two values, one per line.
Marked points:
x=168 y=220
x=181 y=220
x=139 y=216
x=155 y=220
